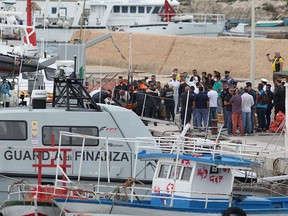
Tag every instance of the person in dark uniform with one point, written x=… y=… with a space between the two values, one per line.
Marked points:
x=252 y=92
x=101 y=95
x=270 y=105
x=229 y=110
x=223 y=93
x=279 y=97
x=121 y=85
x=138 y=98
x=167 y=94
x=186 y=106
x=151 y=102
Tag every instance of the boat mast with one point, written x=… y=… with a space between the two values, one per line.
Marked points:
x=82 y=18
x=252 y=57
x=32 y=37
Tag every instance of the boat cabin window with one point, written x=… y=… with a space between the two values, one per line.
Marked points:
x=124 y=9
x=133 y=9
x=116 y=9
x=148 y=9
x=47 y=132
x=156 y=10
x=141 y=9
x=172 y=172
x=186 y=174
x=53 y=10
x=163 y=171
x=13 y=130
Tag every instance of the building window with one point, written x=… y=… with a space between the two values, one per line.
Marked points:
x=47 y=132
x=148 y=9
x=124 y=9
x=116 y=9
x=141 y=9
x=13 y=130
x=53 y=10
x=133 y=9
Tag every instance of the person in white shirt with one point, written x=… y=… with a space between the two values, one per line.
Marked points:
x=212 y=95
x=174 y=84
x=247 y=103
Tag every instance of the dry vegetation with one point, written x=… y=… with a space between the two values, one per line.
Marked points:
x=159 y=54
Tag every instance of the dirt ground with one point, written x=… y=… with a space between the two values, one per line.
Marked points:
x=154 y=54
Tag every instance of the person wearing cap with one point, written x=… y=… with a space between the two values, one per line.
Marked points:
x=264 y=82
x=228 y=78
x=174 y=84
x=121 y=85
x=234 y=85
x=252 y=92
x=277 y=64
x=270 y=105
x=261 y=109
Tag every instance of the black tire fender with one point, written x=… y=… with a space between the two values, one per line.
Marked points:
x=234 y=210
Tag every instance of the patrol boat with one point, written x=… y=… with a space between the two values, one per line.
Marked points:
x=192 y=177
x=72 y=110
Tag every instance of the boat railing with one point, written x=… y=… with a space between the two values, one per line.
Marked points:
x=197 y=18
x=135 y=193
x=188 y=145
x=29 y=191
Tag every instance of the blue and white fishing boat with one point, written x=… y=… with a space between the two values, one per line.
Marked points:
x=192 y=177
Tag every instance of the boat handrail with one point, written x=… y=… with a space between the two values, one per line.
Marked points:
x=187 y=145
x=197 y=17
x=33 y=190
x=29 y=190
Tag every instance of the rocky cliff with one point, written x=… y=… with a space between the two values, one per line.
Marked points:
x=237 y=9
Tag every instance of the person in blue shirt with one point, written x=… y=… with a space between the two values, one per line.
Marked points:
x=5 y=88
x=261 y=109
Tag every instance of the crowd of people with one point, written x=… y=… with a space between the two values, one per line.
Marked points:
x=199 y=98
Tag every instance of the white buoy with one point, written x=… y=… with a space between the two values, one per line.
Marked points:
x=66 y=24
x=46 y=22
x=60 y=23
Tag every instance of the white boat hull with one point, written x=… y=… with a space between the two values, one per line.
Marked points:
x=74 y=207
x=108 y=209
x=171 y=28
x=21 y=210
x=181 y=28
